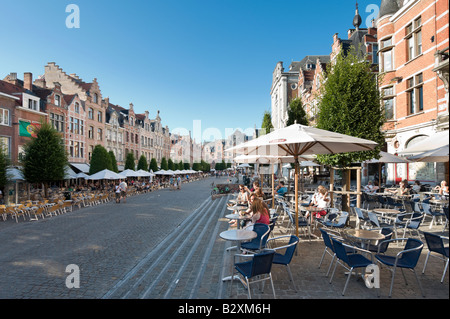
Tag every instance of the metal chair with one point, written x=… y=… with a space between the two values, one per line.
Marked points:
x=259 y=266
x=431 y=212
x=348 y=260
x=258 y=243
x=362 y=220
x=340 y=224
x=289 y=250
x=405 y=259
x=435 y=245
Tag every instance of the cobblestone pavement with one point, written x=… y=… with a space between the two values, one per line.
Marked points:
x=166 y=245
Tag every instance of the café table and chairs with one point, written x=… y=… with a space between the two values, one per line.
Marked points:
x=238 y=236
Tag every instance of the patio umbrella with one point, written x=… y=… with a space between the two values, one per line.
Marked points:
x=297 y=140
x=130 y=173
x=437 y=155
x=432 y=142
x=386 y=158
x=82 y=175
x=105 y=174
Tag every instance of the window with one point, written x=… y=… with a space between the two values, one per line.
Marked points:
x=388 y=102
x=99 y=134
x=5 y=144
x=95 y=98
x=4 y=117
x=386 y=55
x=57 y=100
x=76 y=149
x=99 y=116
x=91 y=132
x=375 y=53
x=77 y=107
x=91 y=113
x=415 y=94
x=57 y=122
x=32 y=105
x=414 y=39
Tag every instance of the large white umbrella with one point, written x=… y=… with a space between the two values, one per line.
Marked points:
x=298 y=140
x=105 y=174
x=130 y=173
x=386 y=158
x=432 y=142
x=437 y=155
x=82 y=175
x=14 y=174
x=145 y=173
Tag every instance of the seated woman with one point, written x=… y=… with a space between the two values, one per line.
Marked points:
x=416 y=188
x=443 y=188
x=401 y=190
x=242 y=196
x=322 y=200
x=260 y=212
x=369 y=187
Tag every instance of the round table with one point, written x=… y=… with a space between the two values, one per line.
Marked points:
x=439 y=201
x=364 y=235
x=238 y=207
x=237 y=235
x=238 y=217
x=387 y=211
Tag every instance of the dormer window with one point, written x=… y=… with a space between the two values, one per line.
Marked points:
x=32 y=105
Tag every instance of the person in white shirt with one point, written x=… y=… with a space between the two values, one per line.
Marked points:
x=123 y=190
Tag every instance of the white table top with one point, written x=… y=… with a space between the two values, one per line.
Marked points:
x=237 y=216
x=364 y=234
x=238 y=207
x=238 y=234
x=387 y=211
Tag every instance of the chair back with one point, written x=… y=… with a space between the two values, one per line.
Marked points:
x=426 y=208
x=289 y=252
x=415 y=221
x=342 y=219
x=326 y=239
x=262 y=263
x=373 y=219
x=381 y=199
x=262 y=230
x=359 y=213
x=383 y=245
x=445 y=210
x=434 y=243
x=410 y=258
x=339 y=249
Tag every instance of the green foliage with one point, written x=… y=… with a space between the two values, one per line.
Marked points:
x=4 y=163
x=114 y=167
x=266 y=125
x=350 y=103
x=142 y=163
x=100 y=160
x=45 y=157
x=171 y=165
x=153 y=165
x=164 y=164
x=204 y=166
x=196 y=166
x=296 y=113
x=186 y=166
x=130 y=161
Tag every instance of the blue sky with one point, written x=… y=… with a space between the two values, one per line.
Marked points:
x=207 y=60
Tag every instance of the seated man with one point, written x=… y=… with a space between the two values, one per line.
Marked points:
x=281 y=189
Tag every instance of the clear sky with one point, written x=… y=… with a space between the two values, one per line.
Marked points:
x=194 y=60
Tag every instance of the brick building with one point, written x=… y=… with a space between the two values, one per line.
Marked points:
x=410 y=35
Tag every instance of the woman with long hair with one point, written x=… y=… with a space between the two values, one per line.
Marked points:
x=260 y=212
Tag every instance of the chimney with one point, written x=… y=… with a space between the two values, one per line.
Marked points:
x=28 y=81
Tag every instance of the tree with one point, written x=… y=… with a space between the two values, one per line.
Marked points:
x=296 y=113
x=266 y=125
x=142 y=164
x=130 y=162
x=196 y=166
x=186 y=166
x=171 y=165
x=164 y=164
x=4 y=163
x=100 y=160
x=114 y=167
x=45 y=157
x=153 y=165
x=350 y=103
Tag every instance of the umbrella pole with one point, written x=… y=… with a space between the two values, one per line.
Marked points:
x=296 y=195
x=273 y=185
